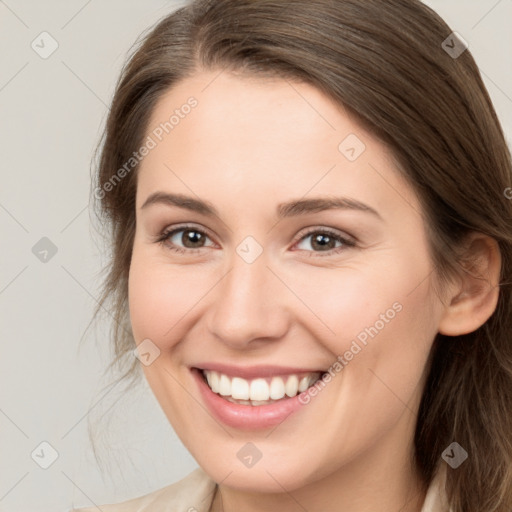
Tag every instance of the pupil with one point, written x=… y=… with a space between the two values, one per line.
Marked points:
x=192 y=237
x=323 y=241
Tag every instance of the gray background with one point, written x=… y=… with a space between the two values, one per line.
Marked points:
x=51 y=112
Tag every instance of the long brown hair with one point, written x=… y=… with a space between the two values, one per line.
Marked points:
x=388 y=63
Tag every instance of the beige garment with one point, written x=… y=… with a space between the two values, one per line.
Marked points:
x=195 y=492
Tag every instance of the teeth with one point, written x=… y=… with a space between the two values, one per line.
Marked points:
x=292 y=385
x=213 y=381
x=224 y=386
x=277 y=389
x=258 y=391
x=303 y=384
x=262 y=402
x=240 y=388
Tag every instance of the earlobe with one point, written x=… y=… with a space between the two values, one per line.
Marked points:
x=474 y=299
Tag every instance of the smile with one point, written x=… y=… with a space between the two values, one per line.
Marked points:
x=253 y=398
x=259 y=391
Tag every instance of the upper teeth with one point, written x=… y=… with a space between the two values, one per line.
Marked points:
x=259 y=389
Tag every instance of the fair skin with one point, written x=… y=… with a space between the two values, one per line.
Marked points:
x=247 y=147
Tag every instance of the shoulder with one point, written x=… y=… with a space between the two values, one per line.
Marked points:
x=436 y=499
x=194 y=493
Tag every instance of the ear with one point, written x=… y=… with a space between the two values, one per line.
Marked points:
x=474 y=297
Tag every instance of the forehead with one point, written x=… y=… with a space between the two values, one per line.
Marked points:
x=249 y=134
x=251 y=109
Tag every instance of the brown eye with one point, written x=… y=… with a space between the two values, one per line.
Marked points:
x=324 y=240
x=184 y=239
x=192 y=238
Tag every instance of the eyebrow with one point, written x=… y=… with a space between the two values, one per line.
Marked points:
x=289 y=209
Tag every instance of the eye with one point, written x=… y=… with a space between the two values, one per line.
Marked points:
x=324 y=240
x=193 y=239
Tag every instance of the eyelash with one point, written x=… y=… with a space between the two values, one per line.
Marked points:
x=347 y=243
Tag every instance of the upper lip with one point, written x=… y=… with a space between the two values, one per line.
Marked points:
x=252 y=372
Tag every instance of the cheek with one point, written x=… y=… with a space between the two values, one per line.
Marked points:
x=383 y=327
x=159 y=297
x=363 y=302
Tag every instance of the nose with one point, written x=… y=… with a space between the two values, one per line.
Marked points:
x=250 y=305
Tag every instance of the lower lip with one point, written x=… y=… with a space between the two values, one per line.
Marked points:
x=247 y=417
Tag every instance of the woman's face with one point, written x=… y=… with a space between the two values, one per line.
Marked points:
x=277 y=284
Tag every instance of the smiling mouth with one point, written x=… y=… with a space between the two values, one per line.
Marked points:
x=259 y=391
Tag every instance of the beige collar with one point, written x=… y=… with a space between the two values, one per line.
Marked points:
x=436 y=498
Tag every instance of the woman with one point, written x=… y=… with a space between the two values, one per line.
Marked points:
x=312 y=247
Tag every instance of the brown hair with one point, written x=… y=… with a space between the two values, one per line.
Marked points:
x=385 y=63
